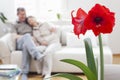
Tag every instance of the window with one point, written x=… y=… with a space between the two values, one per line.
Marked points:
x=29 y=5
x=42 y=9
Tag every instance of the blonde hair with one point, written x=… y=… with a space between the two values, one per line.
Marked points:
x=28 y=18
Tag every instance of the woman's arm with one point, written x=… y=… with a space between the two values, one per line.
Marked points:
x=38 y=37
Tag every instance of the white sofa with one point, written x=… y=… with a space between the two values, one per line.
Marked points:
x=112 y=72
x=9 y=55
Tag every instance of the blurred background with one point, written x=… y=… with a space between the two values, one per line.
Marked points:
x=59 y=12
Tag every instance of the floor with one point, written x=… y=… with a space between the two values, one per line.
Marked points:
x=37 y=77
x=116 y=60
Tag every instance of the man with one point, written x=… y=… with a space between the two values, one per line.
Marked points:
x=24 y=42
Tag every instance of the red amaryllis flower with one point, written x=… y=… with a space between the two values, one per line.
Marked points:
x=78 y=22
x=100 y=20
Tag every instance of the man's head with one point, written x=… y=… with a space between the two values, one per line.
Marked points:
x=21 y=13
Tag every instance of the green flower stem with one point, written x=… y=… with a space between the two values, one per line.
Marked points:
x=101 y=58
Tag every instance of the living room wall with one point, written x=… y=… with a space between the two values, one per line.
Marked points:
x=7 y=7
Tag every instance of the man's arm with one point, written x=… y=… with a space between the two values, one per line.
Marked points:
x=14 y=31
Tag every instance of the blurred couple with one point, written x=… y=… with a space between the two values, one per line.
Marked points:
x=30 y=35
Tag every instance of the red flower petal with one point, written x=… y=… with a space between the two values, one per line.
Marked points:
x=78 y=22
x=81 y=13
x=100 y=20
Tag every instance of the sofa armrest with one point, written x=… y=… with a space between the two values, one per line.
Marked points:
x=4 y=49
x=16 y=58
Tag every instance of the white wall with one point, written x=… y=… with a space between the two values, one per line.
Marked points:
x=114 y=38
x=7 y=7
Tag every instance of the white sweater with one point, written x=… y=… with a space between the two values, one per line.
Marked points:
x=42 y=33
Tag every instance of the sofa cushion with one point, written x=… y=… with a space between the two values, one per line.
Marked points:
x=65 y=53
x=64 y=30
x=77 y=54
x=74 y=41
x=11 y=41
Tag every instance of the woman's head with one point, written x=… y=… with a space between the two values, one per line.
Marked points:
x=31 y=21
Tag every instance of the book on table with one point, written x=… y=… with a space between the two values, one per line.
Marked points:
x=9 y=71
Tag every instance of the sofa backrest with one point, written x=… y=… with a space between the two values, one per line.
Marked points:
x=5 y=28
x=68 y=38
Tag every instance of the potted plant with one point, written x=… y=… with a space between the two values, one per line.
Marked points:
x=101 y=21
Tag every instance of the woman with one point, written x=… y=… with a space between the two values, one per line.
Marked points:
x=45 y=35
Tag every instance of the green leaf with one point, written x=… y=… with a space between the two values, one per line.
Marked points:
x=89 y=74
x=2 y=19
x=68 y=76
x=90 y=57
x=3 y=16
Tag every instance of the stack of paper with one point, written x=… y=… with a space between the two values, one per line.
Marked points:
x=9 y=71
